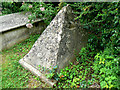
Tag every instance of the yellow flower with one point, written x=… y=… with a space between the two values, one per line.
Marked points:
x=111 y=86
x=116 y=8
x=106 y=86
x=103 y=62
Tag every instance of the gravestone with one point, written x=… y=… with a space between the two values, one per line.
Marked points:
x=57 y=45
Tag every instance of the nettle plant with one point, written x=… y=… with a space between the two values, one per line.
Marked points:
x=45 y=11
x=106 y=67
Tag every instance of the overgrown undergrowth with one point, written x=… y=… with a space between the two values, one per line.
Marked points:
x=80 y=74
x=97 y=65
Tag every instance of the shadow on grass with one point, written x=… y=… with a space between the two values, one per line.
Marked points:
x=13 y=74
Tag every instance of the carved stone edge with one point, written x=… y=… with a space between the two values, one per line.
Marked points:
x=36 y=72
x=22 y=24
x=18 y=26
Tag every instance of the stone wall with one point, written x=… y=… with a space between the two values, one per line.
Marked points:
x=13 y=29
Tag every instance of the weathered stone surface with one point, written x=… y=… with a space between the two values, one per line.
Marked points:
x=13 y=29
x=58 y=43
x=10 y=21
x=15 y=20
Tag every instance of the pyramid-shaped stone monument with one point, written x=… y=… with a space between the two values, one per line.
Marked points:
x=57 y=45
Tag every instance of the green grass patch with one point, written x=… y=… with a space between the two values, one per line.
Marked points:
x=13 y=74
x=90 y=70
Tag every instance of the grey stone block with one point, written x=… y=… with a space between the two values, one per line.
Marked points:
x=13 y=29
x=57 y=44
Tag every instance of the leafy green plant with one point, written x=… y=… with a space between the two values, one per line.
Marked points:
x=11 y=7
x=45 y=11
x=106 y=66
x=52 y=73
x=102 y=22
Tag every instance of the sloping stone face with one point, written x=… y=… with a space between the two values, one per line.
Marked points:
x=58 y=43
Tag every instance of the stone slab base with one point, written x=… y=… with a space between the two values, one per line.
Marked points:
x=37 y=73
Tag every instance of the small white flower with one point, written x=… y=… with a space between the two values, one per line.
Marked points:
x=28 y=20
x=40 y=5
x=23 y=3
x=30 y=6
x=29 y=25
x=42 y=9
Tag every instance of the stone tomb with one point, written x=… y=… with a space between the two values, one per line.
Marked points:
x=57 y=45
x=13 y=29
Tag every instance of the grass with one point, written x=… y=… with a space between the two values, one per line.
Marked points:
x=0 y=71
x=78 y=74
x=13 y=74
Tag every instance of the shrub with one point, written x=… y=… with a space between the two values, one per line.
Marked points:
x=101 y=19
x=11 y=7
x=45 y=11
